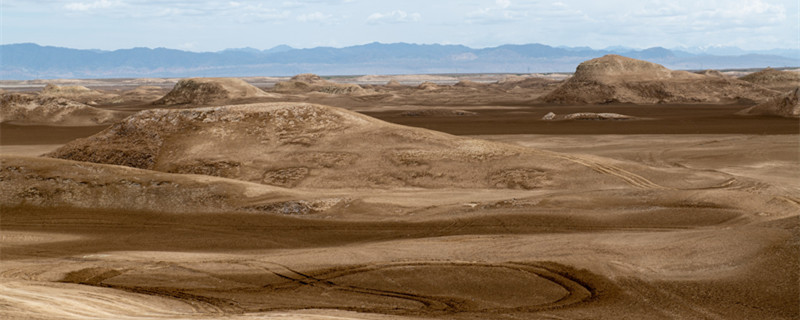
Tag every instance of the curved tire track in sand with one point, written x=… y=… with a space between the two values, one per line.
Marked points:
x=435 y=304
x=383 y=297
x=792 y=200
x=627 y=176
x=200 y=304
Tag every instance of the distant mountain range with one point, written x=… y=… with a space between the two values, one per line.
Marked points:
x=31 y=61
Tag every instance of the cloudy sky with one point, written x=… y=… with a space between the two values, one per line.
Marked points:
x=202 y=25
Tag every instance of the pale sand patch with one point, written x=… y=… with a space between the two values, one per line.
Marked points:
x=10 y=237
x=28 y=150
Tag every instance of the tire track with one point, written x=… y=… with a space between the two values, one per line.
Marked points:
x=200 y=304
x=627 y=176
x=289 y=280
x=791 y=200
x=576 y=291
x=429 y=303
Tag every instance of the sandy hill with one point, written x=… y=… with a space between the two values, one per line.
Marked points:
x=394 y=83
x=47 y=110
x=143 y=94
x=774 y=79
x=209 y=91
x=469 y=84
x=315 y=146
x=44 y=182
x=459 y=94
x=712 y=73
x=52 y=89
x=428 y=86
x=78 y=93
x=526 y=83
x=614 y=68
x=308 y=82
x=786 y=105
x=614 y=78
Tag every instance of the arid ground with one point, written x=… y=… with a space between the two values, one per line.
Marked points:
x=348 y=199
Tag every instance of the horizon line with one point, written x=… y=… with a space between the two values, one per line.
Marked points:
x=608 y=48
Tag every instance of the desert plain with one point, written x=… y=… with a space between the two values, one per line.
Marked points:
x=623 y=191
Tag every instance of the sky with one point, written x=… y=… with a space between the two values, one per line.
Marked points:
x=202 y=25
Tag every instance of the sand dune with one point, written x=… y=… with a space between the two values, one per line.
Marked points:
x=202 y=91
x=786 y=105
x=713 y=73
x=313 y=83
x=29 y=110
x=526 y=83
x=774 y=79
x=306 y=145
x=615 y=78
x=143 y=94
x=79 y=93
x=518 y=91
x=295 y=210
x=53 y=183
x=428 y=86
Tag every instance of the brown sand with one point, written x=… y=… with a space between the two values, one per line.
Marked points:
x=615 y=78
x=201 y=91
x=327 y=147
x=774 y=79
x=80 y=94
x=26 y=109
x=787 y=105
x=697 y=222
x=305 y=83
x=40 y=134
x=662 y=119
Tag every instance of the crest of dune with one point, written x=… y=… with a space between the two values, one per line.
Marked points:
x=50 y=110
x=316 y=146
x=614 y=78
x=309 y=82
x=209 y=90
x=786 y=105
x=774 y=79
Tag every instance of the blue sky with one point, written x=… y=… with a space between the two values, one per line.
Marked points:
x=200 y=25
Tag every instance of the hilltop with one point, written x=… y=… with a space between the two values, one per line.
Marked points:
x=209 y=90
x=49 y=110
x=614 y=78
x=315 y=146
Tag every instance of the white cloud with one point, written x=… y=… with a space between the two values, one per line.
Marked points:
x=86 y=6
x=310 y=3
x=502 y=11
x=634 y=23
x=314 y=17
x=491 y=16
x=291 y=4
x=709 y=16
x=749 y=10
x=397 y=16
x=258 y=14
